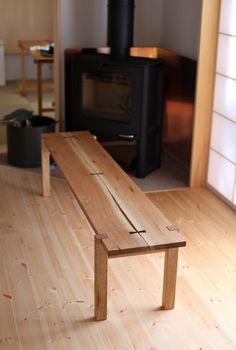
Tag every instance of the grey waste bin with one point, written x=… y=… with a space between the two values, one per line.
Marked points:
x=24 y=143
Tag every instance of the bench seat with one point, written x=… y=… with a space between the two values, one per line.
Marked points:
x=124 y=221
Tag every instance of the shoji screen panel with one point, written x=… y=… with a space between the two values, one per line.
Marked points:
x=222 y=158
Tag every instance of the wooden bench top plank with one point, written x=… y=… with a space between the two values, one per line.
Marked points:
x=97 y=203
x=125 y=207
x=137 y=207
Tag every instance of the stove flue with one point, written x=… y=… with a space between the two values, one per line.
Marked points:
x=120 y=26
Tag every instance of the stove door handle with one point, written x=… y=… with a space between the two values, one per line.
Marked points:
x=127 y=137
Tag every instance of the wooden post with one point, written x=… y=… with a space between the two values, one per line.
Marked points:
x=23 y=71
x=100 y=286
x=170 y=274
x=45 y=164
x=204 y=92
x=39 y=87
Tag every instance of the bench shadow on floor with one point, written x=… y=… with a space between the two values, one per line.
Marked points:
x=172 y=174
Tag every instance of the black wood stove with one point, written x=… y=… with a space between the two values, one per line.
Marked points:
x=117 y=95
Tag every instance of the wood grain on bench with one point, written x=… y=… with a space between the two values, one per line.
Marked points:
x=124 y=220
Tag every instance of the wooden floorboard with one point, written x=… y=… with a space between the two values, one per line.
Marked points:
x=46 y=275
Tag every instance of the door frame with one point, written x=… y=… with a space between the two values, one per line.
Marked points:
x=204 y=87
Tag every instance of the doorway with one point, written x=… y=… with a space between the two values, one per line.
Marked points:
x=204 y=85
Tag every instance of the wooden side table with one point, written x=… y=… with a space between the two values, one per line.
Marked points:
x=39 y=60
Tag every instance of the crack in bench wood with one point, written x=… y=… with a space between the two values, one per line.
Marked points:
x=125 y=222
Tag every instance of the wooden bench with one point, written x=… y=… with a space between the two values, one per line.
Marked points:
x=124 y=220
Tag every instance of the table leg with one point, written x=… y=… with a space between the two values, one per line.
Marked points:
x=45 y=164
x=170 y=275
x=100 y=289
x=23 y=72
x=39 y=87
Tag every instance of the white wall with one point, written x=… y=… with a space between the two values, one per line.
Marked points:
x=148 y=22
x=83 y=23
x=181 y=26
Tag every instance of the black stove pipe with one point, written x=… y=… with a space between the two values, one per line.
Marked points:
x=120 y=27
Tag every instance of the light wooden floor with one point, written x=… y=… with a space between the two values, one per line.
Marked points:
x=46 y=275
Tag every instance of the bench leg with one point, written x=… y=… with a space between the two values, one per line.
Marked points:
x=100 y=290
x=170 y=274
x=45 y=164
